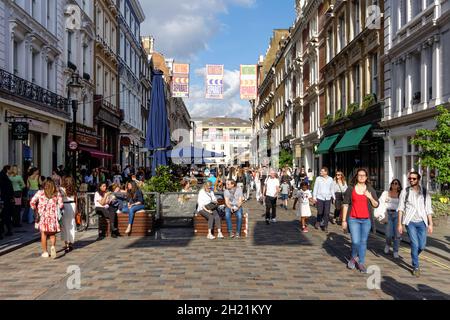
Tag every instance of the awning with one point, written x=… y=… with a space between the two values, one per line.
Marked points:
x=96 y=153
x=326 y=144
x=352 y=139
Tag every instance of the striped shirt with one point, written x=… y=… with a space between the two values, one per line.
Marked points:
x=416 y=210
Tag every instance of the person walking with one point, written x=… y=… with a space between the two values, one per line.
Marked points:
x=207 y=208
x=389 y=202
x=234 y=198
x=271 y=191
x=304 y=211
x=415 y=213
x=285 y=188
x=258 y=185
x=47 y=203
x=7 y=196
x=359 y=199
x=340 y=186
x=69 y=195
x=18 y=186
x=322 y=195
x=33 y=187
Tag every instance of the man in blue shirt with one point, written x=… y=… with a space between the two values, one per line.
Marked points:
x=213 y=179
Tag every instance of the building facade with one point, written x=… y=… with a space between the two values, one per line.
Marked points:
x=32 y=84
x=130 y=18
x=417 y=79
x=230 y=136
x=107 y=114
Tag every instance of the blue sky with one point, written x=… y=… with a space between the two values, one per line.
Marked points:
x=229 y=32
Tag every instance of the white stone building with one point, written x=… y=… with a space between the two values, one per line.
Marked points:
x=417 y=79
x=32 y=83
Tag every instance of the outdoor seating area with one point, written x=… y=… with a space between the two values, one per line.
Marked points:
x=201 y=226
x=143 y=224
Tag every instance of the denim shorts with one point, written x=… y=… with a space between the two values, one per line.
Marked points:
x=284 y=196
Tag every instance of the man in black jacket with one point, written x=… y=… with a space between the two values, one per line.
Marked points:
x=7 y=196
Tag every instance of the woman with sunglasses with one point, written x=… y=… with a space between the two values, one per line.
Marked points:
x=340 y=186
x=391 y=201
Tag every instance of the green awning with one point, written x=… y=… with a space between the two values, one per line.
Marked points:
x=326 y=144
x=352 y=139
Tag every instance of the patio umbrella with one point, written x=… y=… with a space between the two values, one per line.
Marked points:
x=158 y=135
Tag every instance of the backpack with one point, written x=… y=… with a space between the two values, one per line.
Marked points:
x=424 y=192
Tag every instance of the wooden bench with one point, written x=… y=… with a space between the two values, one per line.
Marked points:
x=201 y=225
x=142 y=224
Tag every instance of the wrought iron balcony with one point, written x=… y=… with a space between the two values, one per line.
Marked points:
x=32 y=93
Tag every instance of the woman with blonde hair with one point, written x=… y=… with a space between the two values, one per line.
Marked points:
x=340 y=186
x=69 y=194
x=48 y=203
x=18 y=186
x=207 y=208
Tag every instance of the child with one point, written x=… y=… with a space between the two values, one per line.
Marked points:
x=285 y=188
x=304 y=211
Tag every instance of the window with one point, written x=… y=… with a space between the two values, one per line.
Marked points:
x=374 y=73
x=50 y=75
x=330 y=45
x=106 y=33
x=356 y=18
x=34 y=10
x=69 y=46
x=222 y=147
x=85 y=49
x=341 y=32
x=403 y=13
x=15 y=58
x=330 y=99
x=343 y=90
x=219 y=134
x=84 y=110
x=213 y=147
x=34 y=66
x=356 y=85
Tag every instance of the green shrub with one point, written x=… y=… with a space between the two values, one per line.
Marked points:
x=339 y=115
x=327 y=120
x=368 y=100
x=353 y=107
x=162 y=182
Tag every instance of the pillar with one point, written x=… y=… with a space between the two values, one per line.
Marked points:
x=437 y=73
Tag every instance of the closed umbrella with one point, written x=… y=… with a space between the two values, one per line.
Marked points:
x=158 y=134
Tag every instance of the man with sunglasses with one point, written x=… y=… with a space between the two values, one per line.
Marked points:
x=416 y=211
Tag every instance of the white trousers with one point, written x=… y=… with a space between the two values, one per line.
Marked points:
x=68 y=223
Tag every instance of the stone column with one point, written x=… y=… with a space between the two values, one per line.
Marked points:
x=437 y=73
x=424 y=65
x=408 y=84
x=46 y=154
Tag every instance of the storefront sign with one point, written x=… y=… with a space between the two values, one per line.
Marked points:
x=379 y=133
x=20 y=131
x=298 y=151
x=73 y=145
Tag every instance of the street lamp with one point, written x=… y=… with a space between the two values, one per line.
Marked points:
x=74 y=87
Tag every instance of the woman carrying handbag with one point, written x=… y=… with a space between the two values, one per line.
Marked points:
x=207 y=208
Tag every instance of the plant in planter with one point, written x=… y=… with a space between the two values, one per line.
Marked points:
x=328 y=120
x=368 y=101
x=162 y=182
x=441 y=205
x=339 y=115
x=353 y=107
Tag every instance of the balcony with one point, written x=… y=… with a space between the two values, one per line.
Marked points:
x=33 y=95
x=106 y=112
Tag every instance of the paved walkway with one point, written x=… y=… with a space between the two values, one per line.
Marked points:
x=274 y=262
x=21 y=237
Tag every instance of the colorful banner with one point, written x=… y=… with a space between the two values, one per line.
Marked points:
x=180 y=80
x=249 y=82
x=214 y=81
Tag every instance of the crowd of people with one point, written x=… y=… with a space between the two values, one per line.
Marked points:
x=51 y=203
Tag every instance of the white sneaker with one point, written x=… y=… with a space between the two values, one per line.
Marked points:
x=396 y=256
x=44 y=255
x=210 y=237
x=220 y=235
x=387 y=249
x=273 y=220
x=53 y=252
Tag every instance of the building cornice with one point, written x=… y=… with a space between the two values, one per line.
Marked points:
x=411 y=118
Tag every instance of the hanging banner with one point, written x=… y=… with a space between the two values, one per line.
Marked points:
x=249 y=82
x=214 y=81
x=180 y=80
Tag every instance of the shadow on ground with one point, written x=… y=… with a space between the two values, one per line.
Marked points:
x=401 y=291
x=165 y=237
x=281 y=233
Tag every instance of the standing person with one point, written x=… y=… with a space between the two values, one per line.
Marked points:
x=304 y=211
x=135 y=200
x=33 y=188
x=310 y=175
x=240 y=180
x=206 y=198
x=322 y=195
x=258 y=184
x=102 y=205
x=359 y=199
x=301 y=177
x=18 y=186
x=212 y=179
x=340 y=186
x=69 y=195
x=285 y=188
x=7 y=196
x=56 y=178
x=415 y=213
x=48 y=202
x=248 y=183
x=271 y=191
x=389 y=202
x=234 y=198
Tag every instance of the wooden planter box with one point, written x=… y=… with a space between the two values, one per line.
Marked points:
x=201 y=226
x=142 y=225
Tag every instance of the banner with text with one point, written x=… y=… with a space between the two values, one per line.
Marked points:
x=214 y=81
x=249 y=82
x=180 y=80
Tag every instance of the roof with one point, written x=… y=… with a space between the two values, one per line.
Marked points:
x=224 y=122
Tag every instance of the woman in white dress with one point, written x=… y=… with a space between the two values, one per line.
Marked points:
x=69 y=195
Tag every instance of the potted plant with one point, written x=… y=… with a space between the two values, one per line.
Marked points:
x=339 y=115
x=368 y=101
x=352 y=108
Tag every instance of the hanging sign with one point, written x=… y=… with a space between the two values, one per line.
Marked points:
x=180 y=80
x=214 y=81
x=249 y=82
x=20 y=130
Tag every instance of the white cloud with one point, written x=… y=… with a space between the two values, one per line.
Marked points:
x=183 y=29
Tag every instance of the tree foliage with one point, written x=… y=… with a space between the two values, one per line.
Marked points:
x=286 y=159
x=435 y=146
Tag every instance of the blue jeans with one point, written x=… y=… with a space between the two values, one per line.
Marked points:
x=417 y=232
x=131 y=211
x=359 y=232
x=29 y=214
x=392 y=230
x=239 y=220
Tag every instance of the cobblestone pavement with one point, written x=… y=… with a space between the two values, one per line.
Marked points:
x=275 y=262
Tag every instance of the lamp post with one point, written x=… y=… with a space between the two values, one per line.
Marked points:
x=74 y=87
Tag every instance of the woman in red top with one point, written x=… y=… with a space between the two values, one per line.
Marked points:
x=361 y=198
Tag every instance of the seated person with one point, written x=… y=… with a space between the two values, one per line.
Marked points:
x=186 y=188
x=102 y=206
x=205 y=197
x=135 y=200
x=234 y=198
x=117 y=197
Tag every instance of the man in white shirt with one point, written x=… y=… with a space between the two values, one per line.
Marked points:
x=416 y=210
x=271 y=191
x=322 y=195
